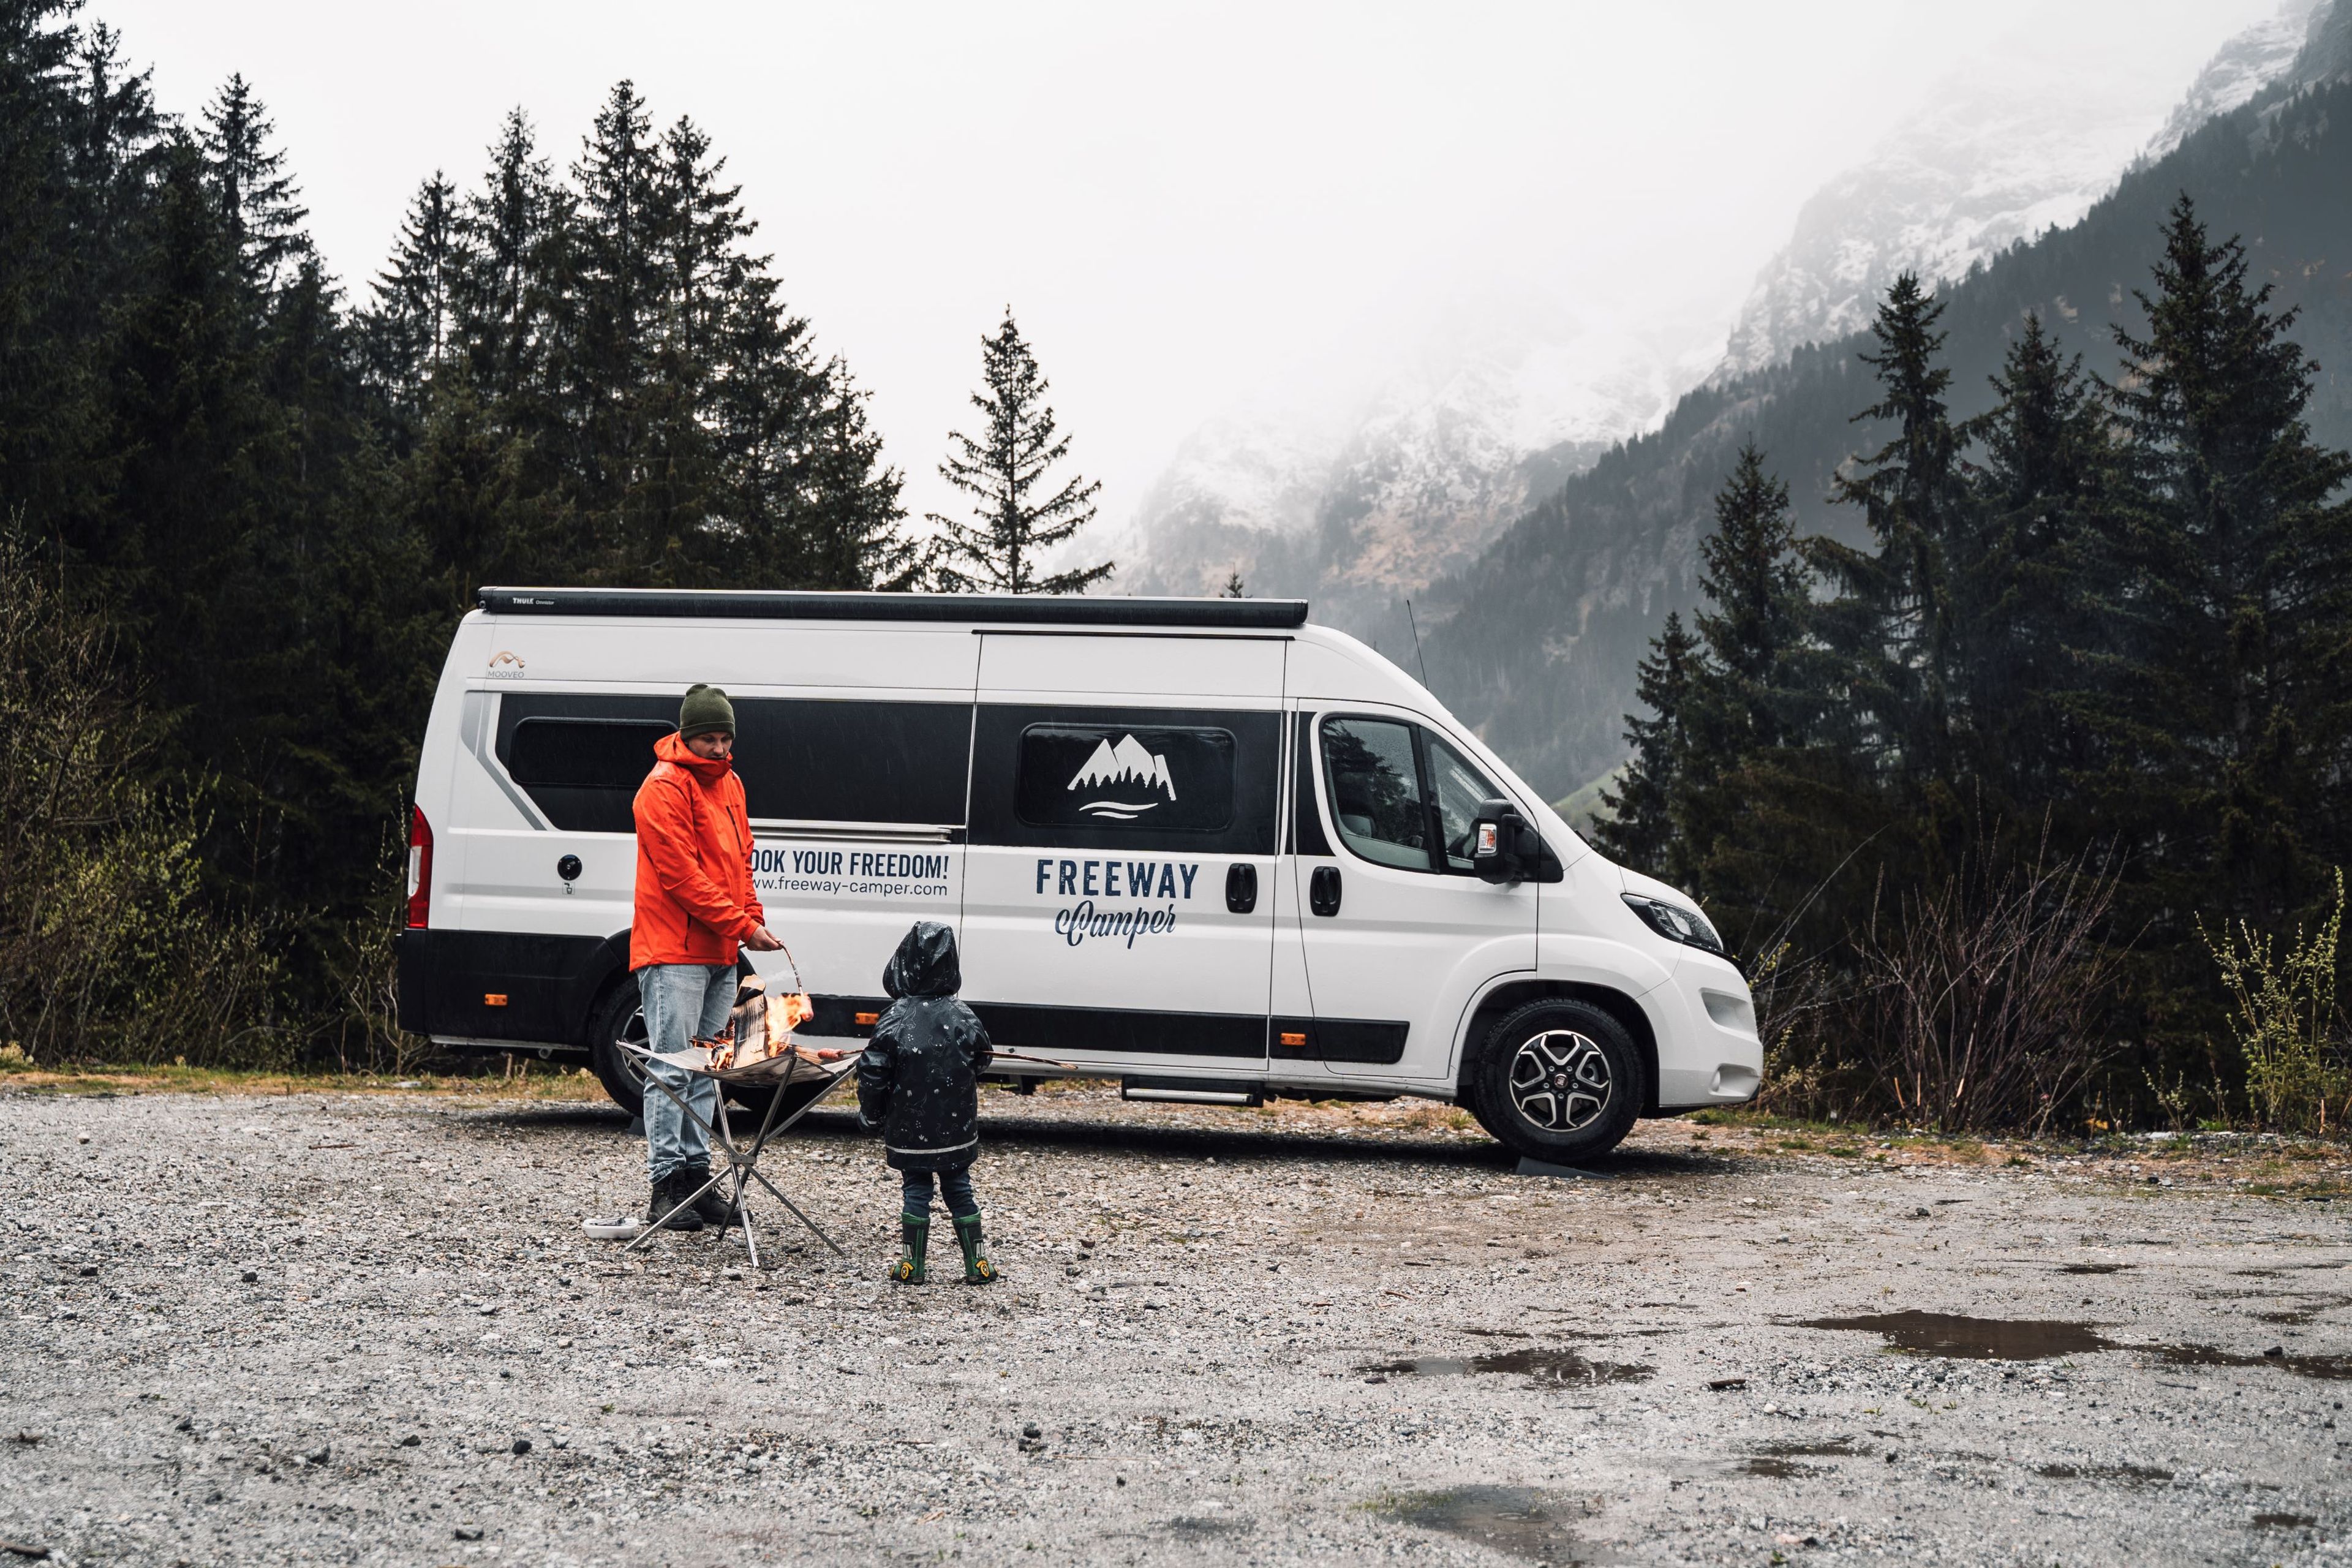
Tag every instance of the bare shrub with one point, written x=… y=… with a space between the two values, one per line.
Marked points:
x=2284 y=1014
x=1982 y=997
x=108 y=948
x=365 y=1035
x=1798 y=1001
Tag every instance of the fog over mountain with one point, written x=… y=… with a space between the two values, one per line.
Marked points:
x=1358 y=484
x=1536 y=642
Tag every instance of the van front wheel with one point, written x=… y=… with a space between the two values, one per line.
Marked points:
x=1558 y=1081
x=619 y=1016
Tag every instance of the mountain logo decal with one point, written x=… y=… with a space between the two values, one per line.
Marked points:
x=1124 y=781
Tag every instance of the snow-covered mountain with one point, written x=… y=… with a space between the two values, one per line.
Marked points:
x=1359 y=503
x=1360 y=498
x=1985 y=161
x=2240 y=68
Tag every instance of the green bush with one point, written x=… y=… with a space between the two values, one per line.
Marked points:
x=109 y=950
x=2284 y=1014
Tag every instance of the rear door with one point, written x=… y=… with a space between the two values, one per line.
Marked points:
x=1119 y=907
x=1398 y=930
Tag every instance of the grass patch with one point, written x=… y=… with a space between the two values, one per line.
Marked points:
x=531 y=1080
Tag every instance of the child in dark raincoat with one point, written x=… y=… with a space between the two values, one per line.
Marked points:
x=918 y=1081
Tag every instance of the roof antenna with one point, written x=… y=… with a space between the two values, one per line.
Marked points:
x=1416 y=646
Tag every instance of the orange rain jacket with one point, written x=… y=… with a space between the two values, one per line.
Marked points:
x=695 y=897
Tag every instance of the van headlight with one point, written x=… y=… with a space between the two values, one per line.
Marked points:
x=1676 y=924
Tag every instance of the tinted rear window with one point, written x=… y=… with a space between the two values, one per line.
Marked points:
x=581 y=758
x=583 y=754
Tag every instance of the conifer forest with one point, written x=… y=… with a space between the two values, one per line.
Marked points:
x=2022 y=794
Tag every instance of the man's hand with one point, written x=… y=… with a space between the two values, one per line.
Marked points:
x=760 y=940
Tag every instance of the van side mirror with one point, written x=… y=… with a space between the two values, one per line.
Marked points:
x=1503 y=844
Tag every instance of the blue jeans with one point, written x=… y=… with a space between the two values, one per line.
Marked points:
x=954 y=1185
x=682 y=1001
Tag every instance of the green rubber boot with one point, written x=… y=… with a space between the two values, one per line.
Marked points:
x=978 y=1268
x=915 y=1233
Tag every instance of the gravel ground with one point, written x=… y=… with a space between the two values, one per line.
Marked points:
x=368 y=1328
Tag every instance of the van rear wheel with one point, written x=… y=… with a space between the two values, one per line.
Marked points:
x=1558 y=1081
x=619 y=1016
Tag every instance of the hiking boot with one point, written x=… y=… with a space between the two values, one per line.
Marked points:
x=712 y=1208
x=978 y=1268
x=666 y=1196
x=914 y=1240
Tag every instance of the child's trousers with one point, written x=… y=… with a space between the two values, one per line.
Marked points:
x=954 y=1185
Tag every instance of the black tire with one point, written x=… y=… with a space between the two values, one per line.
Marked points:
x=616 y=1016
x=1558 y=1081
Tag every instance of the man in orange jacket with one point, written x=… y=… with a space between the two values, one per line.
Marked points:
x=696 y=906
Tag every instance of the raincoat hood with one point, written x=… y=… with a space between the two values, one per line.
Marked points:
x=675 y=751
x=925 y=964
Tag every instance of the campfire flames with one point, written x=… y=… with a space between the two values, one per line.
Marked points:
x=760 y=1028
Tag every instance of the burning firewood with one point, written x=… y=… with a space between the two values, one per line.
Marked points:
x=760 y=1028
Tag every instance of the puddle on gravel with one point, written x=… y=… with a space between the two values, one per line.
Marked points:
x=2093 y=1267
x=2304 y=1313
x=1519 y=1522
x=2284 y=1522
x=1775 y=1469
x=2128 y=1474
x=2329 y=1368
x=1547 y=1368
x=1188 y=1525
x=1959 y=1337
x=1842 y=1447
x=1973 y=1339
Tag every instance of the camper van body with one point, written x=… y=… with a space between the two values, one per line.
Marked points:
x=1128 y=808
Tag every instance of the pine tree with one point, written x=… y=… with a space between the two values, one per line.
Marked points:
x=606 y=330
x=258 y=201
x=1893 y=622
x=508 y=234
x=1752 y=575
x=412 y=329
x=2226 y=702
x=1640 y=831
x=851 y=534
x=1014 y=521
x=2048 y=472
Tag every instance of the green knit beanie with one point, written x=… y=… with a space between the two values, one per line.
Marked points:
x=705 y=710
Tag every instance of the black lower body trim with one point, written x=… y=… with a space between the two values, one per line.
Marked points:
x=1123 y=1032
x=1369 y=1040
x=546 y=983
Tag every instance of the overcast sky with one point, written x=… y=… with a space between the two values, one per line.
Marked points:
x=1178 y=202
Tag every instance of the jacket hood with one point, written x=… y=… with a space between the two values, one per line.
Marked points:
x=709 y=770
x=925 y=964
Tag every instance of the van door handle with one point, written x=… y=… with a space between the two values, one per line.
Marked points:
x=1323 y=891
x=1241 y=886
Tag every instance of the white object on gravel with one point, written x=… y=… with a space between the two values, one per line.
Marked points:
x=624 y=1229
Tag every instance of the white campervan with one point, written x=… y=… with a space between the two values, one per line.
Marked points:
x=1198 y=845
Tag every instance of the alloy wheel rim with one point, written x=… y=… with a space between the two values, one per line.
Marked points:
x=1561 y=1081
x=631 y=1032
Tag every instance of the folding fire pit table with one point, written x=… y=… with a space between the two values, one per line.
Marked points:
x=795 y=1081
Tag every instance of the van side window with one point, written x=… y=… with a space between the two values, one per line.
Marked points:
x=581 y=757
x=1456 y=788
x=583 y=754
x=1189 y=781
x=1074 y=776
x=1375 y=786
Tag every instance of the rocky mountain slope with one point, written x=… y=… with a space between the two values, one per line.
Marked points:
x=1540 y=637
